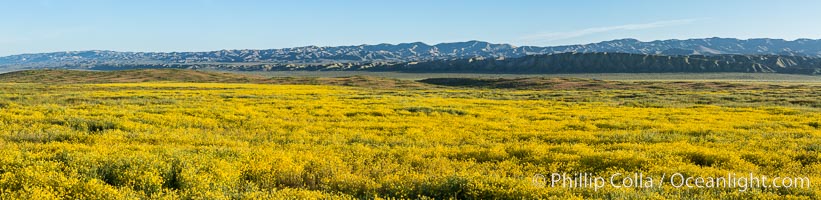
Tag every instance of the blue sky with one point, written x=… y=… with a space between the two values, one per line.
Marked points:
x=34 y=26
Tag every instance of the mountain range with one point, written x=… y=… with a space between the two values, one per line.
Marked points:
x=615 y=63
x=367 y=56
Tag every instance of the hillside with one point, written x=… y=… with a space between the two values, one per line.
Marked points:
x=126 y=76
x=616 y=63
x=193 y=76
x=340 y=56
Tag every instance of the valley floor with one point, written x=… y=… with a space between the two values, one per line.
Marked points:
x=735 y=77
x=263 y=141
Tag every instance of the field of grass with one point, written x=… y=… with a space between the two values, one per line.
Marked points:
x=345 y=139
x=735 y=77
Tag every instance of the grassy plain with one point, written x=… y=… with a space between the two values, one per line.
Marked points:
x=170 y=140
x=732 y=77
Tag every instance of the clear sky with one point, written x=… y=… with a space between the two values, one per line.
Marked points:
x=35 y=26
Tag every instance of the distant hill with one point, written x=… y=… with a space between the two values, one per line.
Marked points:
x=344 y=57
x=616 y=63
x=539 y=64
x=126 y=76
x=48 y=76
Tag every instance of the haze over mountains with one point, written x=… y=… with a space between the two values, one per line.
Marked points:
x=691 y=55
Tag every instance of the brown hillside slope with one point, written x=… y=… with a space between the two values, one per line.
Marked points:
x=126 y=76
x=192 y=76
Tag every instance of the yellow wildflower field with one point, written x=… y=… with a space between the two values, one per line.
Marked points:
x=262 y=141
